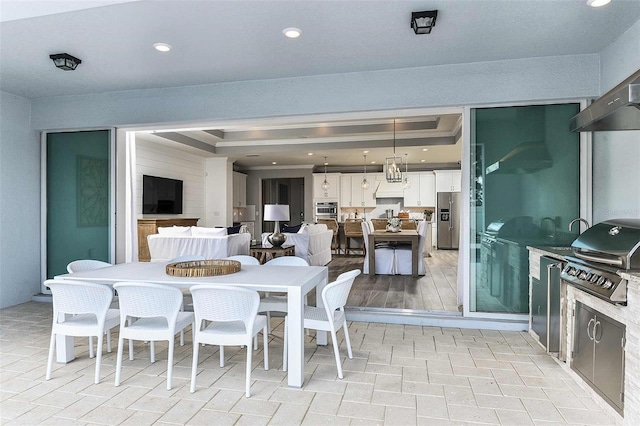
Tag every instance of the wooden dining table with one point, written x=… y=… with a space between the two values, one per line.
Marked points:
x=295 y=281
x=411 y=236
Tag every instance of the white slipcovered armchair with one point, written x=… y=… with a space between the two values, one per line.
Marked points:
x=312 y=242
x=385 y=256
x=403 y=254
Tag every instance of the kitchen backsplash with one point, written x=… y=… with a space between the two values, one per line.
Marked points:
x=379 y=211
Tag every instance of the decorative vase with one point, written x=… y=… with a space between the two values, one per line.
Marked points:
x=276 y=239
x=393 y=228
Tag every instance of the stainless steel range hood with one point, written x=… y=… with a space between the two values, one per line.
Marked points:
x=527 y=157
x=618 y=109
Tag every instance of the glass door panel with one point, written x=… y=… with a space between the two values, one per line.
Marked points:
x=525 y=179
x=78 y=177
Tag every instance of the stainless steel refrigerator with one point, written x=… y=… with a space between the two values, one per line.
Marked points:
x=448 y=219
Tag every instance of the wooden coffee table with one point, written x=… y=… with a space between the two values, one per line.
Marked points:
x=260 y=252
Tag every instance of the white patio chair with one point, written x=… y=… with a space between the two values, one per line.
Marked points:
x=186 y=258
x=332 y=317
x=403 y=255
x=86 y=265
x=185 y=293
x=244 y=259
x=385 y=255
x=278 y=303
x=227 y=316
x=150 y=312
x=89 y=265
x=81 y=309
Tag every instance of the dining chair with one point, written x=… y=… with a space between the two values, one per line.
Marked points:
x=331 y=317
x=89 y=265
x=403 y=254
x=227 y=316
x=80 y=309
x=353 y=231
x=244 y=259
x=278 y=303
x=384 y=254
x=150 y=312
x=379 y=224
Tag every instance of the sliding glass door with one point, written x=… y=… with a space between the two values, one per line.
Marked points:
x=79 y=211
x=525 y=189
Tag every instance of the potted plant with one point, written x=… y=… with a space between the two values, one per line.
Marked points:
x=394 y=224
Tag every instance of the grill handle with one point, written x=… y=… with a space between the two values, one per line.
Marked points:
x=598 y=259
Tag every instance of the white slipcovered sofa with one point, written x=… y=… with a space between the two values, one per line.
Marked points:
x=211 y=243
x=313 y=243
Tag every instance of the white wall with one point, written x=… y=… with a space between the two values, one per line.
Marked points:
x=19 y=202
x=219 y=192
x=616 y=155
x=165 y=161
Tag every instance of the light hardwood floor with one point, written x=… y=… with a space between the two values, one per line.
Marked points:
x=435 y=291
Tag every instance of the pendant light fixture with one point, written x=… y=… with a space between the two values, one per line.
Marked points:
x=406 y=184
x=365 y=183
x=325 y=185
x=394 y=164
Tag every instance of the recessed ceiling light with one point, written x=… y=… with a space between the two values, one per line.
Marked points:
x=162 y=47
x=598 y=3
x=292 y=32
x=373 y=162
x=365 y=152
x=311 y=153
x=422 y=161
x=425 y=149
x=274 y=162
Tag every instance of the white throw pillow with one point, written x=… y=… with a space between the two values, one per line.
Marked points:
x=200 y=231
x=176 y=231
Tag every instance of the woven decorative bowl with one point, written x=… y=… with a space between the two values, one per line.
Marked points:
x=203 y=268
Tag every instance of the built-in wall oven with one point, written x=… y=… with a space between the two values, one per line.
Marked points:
x=326 y=210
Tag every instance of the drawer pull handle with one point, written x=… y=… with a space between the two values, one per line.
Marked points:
x=592 y=320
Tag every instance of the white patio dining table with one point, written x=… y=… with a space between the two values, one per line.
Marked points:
x=295 y=281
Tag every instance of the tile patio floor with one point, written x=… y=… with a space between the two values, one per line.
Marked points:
x=400 y=375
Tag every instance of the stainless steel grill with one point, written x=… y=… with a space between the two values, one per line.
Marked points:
x=599 y=254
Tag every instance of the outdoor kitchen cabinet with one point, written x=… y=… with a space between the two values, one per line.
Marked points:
x=545 y=304
x=598 y=353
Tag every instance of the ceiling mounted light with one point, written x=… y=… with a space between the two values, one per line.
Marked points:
x=162 y=47
x=64 y=61
x=423 y=22
x=292 y=32
x=598 y=3
x=394 y=164
x=365 y=183
x=325 y=185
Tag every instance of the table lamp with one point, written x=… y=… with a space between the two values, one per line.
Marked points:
x=276 y=213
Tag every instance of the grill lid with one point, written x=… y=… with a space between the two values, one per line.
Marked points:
x=614 y=243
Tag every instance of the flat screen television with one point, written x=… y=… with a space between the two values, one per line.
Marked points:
x=161 y=195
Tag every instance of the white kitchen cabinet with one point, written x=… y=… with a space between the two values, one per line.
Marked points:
x=332 y=193
x=422 y=192
x=448 y=180
x=239 y=190
x=352 y=194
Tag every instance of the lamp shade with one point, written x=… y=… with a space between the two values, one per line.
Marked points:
x=276 y=212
